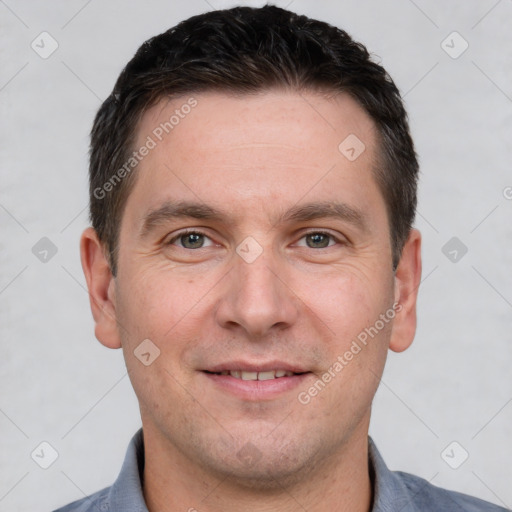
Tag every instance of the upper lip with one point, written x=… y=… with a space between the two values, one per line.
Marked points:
x=246 y=366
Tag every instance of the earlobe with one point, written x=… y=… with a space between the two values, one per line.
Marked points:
x=407 y=281
x=100 y=283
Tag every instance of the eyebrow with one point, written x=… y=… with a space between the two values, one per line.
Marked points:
x=173 y=210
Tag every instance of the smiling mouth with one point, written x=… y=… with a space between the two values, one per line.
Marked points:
x=263 y=375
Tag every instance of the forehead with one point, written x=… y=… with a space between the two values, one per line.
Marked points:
x=272 y=147
x=224 y=119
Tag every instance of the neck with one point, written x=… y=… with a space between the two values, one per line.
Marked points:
x=173 y=482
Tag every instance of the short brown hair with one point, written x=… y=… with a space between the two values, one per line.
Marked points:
x=246 y=50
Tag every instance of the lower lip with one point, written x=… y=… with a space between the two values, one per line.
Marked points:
x=256 y=389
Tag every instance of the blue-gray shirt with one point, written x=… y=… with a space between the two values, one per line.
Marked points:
x=393 y=491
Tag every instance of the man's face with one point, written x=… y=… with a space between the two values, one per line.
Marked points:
x=269 y=283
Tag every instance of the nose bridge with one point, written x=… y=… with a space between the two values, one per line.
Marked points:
x=258 y=280
x=257 y=298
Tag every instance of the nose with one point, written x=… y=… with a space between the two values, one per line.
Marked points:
x=257 y=297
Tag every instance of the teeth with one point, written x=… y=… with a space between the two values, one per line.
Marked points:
x=249 y=375
x=266 y=375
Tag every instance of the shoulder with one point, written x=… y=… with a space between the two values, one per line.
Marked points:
x=397 y=490
x=430 y=498
x=125 y=494
x=97 y=502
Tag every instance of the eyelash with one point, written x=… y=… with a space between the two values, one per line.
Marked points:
x=198 y=232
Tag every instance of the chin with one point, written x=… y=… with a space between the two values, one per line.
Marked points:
x=259 y=467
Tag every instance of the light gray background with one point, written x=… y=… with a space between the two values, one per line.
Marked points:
x=59 y=385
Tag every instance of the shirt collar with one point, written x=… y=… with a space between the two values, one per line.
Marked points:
x=126 y=492
x=390 y=494
x=389 y=490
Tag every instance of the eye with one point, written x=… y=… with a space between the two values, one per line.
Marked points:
x=319 y=240
x=190 y=239
x=193 y=239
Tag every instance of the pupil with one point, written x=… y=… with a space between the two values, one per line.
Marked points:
x=194 y=239
x=319 y=238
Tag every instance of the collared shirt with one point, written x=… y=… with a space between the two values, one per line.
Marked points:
x=393 y=491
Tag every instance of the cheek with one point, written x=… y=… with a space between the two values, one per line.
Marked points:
x=169 y=311
x=156 y=304
x=158 y=307
x=347 y=301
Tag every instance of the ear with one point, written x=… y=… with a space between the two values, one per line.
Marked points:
x=101 y=285
x=407 y=281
